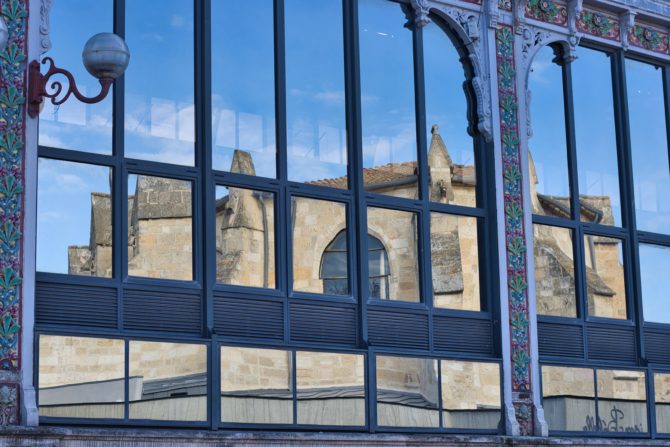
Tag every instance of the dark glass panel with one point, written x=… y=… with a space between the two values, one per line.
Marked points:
x=649 y=146
x=81 y=377
x=167 y=381
x=160 y=229
x=243 y=90
x=455 y=262
x=387 y=98
x=451 y=157
x=256 y=386
x=654 y=268
x=595 y=133
x=622 y=399
x=315 y=115
x=547 y=149
x=568 y=397
x=605 y=278
x=334 y=265
x=407 y=392
x=245 y=237
x=315 y=224
x=330 y=388
x=470 y=394
x=555 y=291
x=74 y=218
x=159 y=81
x=74 y=124
x=397 y=231
x=662 y=400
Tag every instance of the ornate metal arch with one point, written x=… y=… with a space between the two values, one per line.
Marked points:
x=467 y=25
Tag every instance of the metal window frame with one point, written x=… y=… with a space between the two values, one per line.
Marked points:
x=204 y=180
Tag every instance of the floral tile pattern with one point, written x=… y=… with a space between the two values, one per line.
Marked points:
x=599 y=24
x=514 y=229
x=649 y=38
x=12 y=134
x=547 y=11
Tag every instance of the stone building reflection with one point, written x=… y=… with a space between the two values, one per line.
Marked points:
x=160 y=246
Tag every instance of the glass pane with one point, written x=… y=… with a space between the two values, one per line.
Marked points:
x=662 y=399
x=554 y=271
x=595 y=133
x=160 y=240
x=649 y=146
x=243 y=89
x=74 y=218
x=74 y=124
x=654 y=268
x=256 y=386
x=547 y=149
x=470 y=394
x=605 y=276
x=315 y=115
x=245 y=237
x=387 y=99
x=397 y=231
x=568 y=398
x=331 y=388
x=451 y=156
x=407 y=392
x=168 y=381
x=81 y=377
x=455 y=261
x=622 y=401
x=316 y=223
x=159 y=108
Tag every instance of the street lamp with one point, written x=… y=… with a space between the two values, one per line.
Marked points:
x=105 y=56
x=4 y=34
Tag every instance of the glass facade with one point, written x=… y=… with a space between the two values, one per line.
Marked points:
x=599 y=241
x=301 y=226
x=299 y=195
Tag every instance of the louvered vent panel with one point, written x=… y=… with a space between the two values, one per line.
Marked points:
x=560 y=340
x=77 y=305
x=163 y=310
x=248 y=318
x=323 y=324
x=657 y=345
x=608 y=343
x=463 y=335
x=398 y=329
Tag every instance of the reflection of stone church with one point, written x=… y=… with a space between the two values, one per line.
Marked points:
x=160 y=245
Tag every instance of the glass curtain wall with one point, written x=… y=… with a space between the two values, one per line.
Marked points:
x=270 y=187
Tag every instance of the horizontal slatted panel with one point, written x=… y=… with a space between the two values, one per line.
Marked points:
x=657 y=345
x=398 y=329
x=165 y=310
x=560 y=340
x=608 y=343
x=323 y=324
x=78 y=305
x=248 y=318
x=463 y=335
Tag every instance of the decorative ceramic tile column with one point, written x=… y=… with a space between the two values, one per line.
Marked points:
x=13 y=62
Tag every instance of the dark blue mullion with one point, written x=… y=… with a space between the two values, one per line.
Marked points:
x=631 y=252
x=651 y=402
x=205 y=207
x=294 y=384
x=359 y=230
x=126 y=380
x=423 y=216
x=119 y=186
x=439 y=394
x=283 y=212
x=575 y=207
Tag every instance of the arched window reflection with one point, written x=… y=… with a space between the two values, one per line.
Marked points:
x=334 y=267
